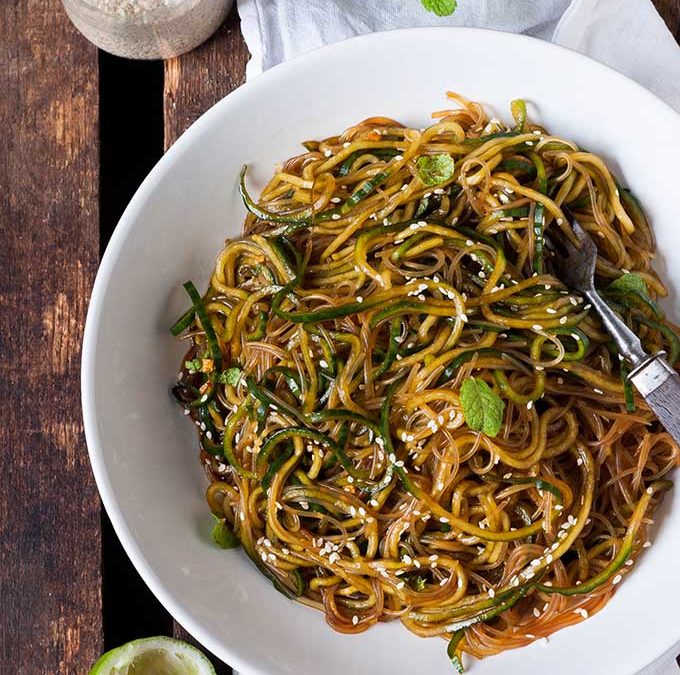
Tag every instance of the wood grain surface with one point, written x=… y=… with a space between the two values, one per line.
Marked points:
x=196 y=81
x=50 y=537
x=50 y=593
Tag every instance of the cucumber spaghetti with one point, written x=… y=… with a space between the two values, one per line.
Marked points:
x=403 y=414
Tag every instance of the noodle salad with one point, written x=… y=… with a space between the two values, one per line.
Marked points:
x=403 y=414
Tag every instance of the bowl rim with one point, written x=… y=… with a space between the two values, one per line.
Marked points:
x=125 y=225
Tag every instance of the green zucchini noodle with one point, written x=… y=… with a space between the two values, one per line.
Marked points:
x=374 y=278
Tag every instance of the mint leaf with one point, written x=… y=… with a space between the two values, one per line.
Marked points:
x=630 y=290
x=230 y=376
x=435 y=169
x=630 y=282
x=482 y=407
x=440 y=7
x=223 y=536
x=193 y=366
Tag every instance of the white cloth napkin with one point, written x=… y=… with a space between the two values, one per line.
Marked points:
x=628 y=35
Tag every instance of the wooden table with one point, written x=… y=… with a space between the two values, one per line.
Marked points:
x=80 y=129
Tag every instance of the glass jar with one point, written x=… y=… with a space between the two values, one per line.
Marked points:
x=147 y=29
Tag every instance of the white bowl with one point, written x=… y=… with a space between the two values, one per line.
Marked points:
x=143 y=451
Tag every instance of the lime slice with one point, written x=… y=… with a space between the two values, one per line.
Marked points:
x=153 y=656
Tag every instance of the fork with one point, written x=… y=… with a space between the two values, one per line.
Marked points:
x=651 y=374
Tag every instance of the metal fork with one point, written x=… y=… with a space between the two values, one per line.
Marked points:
x=651 y=374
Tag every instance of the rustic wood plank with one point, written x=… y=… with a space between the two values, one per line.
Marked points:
x=50 y=604
x=197 y=80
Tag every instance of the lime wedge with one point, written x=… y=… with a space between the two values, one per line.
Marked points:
x=153 y=656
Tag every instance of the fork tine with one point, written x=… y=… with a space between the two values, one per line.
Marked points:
x=584 y=238
x=578 y=230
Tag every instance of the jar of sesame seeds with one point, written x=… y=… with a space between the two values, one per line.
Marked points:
x=147 y=29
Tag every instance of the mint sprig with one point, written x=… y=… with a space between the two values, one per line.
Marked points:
x=440 y=7
x=230 y=376
x=435 y=169
x=482 y=407
x=222 y=534
x=629 y=281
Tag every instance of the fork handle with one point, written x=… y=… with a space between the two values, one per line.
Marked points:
x=627 y=342
x=651 y=375
x=659 y=384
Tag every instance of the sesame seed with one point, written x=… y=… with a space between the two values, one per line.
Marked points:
x=335 y=216
x=346 y=144
x=537 y=326
x=647 y=544
x=616 y=579
x=327 y=153
x=401 y=585
x=355 y=620
x=335 y=200
x=359 y=299
x=563 y=320
x=537 y=613
x=491 y=593
x=650 y=491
